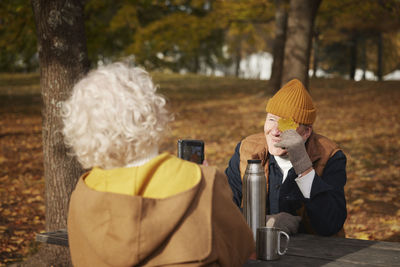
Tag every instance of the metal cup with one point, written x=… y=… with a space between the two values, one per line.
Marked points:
x=268 y=243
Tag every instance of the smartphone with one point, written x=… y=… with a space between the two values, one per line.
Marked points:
x=191 y=150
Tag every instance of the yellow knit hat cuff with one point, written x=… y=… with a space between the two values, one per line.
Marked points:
x=293 y=101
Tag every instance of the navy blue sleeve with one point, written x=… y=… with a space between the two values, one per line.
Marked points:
x=234 y=178
x=326 y=207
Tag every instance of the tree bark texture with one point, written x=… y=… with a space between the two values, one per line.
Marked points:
x=281 y=17
x=298 y=42
x=63 y=61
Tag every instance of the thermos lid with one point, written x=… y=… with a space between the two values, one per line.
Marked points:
x=253 y=161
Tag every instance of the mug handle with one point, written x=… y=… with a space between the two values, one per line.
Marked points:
x=279 y=243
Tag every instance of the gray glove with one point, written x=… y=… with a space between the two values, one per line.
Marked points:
x=284 y=221
x=294 y=144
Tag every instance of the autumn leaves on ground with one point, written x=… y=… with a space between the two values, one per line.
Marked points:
x=362 y=117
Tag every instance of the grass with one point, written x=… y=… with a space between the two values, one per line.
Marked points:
x=19 y=84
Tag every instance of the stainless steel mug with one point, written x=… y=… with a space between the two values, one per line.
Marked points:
x=268 y=243
x=254 y=195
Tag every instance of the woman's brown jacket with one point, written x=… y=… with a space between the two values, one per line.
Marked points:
x=200 y=226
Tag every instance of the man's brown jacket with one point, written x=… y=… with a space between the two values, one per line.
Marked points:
x=319 y=148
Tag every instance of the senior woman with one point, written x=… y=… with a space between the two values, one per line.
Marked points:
x=137 y=206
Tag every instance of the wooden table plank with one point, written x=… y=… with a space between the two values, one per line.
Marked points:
x=306 y=250
x=288 y=260
x=309 y=250
x=344 y=250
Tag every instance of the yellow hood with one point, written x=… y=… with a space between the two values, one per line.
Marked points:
x=161 y=177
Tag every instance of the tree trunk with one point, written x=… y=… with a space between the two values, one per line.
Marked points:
x=63 y=60
x=316 y=54
x=238 y=56
x=281 y=16
x=196 y=63
x=379 y=71
x=298 y=42
x=353 y=57
x=364 y=57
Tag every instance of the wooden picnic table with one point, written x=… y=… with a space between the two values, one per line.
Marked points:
x=307 y=250
x=310 y=250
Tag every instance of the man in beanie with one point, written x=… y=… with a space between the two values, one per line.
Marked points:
x=305 y=171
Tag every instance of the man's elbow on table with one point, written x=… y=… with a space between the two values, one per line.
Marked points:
x=330 y=227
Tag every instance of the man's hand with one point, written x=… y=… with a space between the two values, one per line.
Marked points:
x=285 y=221
x=294 y=144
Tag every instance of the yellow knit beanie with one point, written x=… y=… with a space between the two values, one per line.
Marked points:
x=293 y=101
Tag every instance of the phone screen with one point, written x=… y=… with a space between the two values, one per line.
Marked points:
x=191 y=150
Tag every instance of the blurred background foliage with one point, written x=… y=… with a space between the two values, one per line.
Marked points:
x=199 y=35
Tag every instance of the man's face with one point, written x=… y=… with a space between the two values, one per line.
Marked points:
x=273 y=135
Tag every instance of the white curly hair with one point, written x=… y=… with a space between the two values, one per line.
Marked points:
x=114 y=117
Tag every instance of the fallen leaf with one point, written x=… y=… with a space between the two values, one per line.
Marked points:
x=358 y=201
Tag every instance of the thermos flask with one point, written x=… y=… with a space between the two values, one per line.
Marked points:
x=254 y=195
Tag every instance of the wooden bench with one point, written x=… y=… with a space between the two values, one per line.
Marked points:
x=59 y=237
